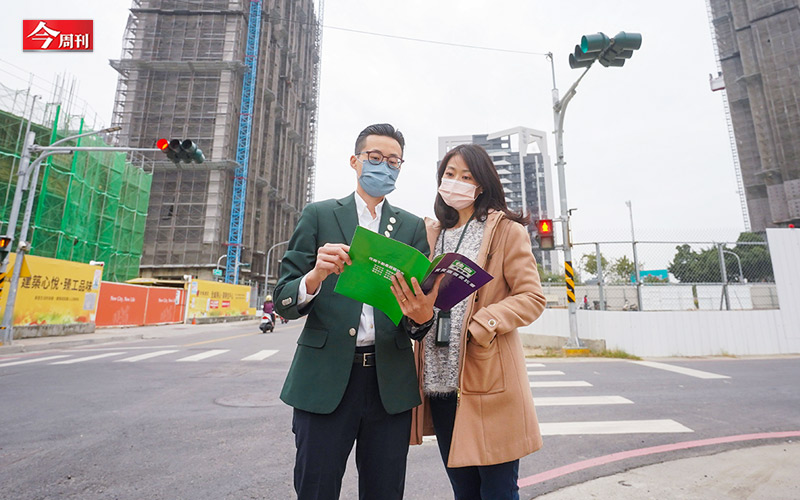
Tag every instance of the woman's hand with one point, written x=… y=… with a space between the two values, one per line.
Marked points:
x=415 y=305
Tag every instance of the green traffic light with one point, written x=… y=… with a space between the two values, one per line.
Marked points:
x=594 y=43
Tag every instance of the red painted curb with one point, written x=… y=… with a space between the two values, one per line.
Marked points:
x=624 y=455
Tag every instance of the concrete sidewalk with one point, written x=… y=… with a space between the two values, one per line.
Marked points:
x=107 y=335
x=761 y=472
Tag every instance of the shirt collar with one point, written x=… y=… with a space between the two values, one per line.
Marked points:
x=363 y=211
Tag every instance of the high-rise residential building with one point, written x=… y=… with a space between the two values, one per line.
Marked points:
x=509 y=149
x=180 y=76
x=758 y=45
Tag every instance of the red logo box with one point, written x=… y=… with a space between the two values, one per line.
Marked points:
x=58 y=34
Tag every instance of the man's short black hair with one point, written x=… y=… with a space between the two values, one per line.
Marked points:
x=380 y=129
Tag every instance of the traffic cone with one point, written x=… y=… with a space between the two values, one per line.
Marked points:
x=194 y=320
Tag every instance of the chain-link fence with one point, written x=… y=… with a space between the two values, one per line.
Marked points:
x=672 y=276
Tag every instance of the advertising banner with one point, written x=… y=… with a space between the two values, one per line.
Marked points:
x=121 y=304
x=53 y=292
x=211 y=298
x=165 y=305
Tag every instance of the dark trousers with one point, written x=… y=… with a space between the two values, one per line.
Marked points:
x=484 y=482
x=324 y=442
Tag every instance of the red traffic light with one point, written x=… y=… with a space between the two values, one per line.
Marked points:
x=162 y=144
x=544 y=227
x=5 y=242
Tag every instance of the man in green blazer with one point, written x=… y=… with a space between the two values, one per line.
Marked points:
x=353 y=377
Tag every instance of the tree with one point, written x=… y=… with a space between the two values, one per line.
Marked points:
x=589 y=263
x=689 y=266
x=621 y=270
x=546 y=276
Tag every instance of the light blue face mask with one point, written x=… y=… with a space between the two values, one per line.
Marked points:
x=377 y=180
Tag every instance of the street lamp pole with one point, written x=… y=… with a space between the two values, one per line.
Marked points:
x=635 y=260
x=269 y=254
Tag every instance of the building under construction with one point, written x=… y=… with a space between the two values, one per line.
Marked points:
x=184 y=74
x=757 y=44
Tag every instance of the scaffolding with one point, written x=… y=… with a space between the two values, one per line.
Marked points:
x=180 y=76
x=90 y=205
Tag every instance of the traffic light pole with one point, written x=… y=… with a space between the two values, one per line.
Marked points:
x=29 y=183
x=559 y=108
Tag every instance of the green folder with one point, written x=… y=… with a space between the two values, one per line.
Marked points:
x=376 y=259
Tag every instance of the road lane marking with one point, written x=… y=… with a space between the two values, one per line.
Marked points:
x=26 y=361
x=534 y=365
x=582 y=400
x=204 y=355
x=260 y=355
x=87 y=358
x=612 y=427
x=545 y=372
x=148 y=355
x=564 y=383
x=652 y=450
x=220 y=340
x=679 y=369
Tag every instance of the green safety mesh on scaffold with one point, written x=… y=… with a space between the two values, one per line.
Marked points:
x=90 y=206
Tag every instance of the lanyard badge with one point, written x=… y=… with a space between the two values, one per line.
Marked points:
x=443 y=329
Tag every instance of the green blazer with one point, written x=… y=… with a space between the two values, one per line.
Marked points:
x=323 y=360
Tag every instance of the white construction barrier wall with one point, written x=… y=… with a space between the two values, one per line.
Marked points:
x=708 y=331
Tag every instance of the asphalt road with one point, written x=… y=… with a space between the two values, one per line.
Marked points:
x=192 y=412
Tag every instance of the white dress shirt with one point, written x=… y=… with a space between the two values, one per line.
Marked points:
x=366 y=328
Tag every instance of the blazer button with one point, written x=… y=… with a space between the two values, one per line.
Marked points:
x=352 y=332
x=392 y=220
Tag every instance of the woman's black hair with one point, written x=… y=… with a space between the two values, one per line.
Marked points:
x=485 y=174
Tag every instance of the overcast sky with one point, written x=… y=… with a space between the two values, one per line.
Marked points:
x=651 y=132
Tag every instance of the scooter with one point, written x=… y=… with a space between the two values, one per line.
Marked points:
x=266 y=323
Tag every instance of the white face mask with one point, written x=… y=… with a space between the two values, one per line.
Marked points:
x=457 y=194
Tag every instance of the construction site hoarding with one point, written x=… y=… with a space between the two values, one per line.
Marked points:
x=213 y=299
x=121 y=304
x=53 y=292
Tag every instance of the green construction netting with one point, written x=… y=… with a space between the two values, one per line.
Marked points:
x=90 y=205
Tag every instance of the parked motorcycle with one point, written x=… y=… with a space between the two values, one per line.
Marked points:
x=266 y=323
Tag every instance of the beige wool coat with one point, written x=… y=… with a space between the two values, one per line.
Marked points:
x=495 y=418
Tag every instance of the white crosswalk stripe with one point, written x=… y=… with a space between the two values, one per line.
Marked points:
x=148 y=355
x=87 y=358
x=260 y=355
x=35 y=360
x=204 y=355
x=545 y=372
x=612 y=427
x=581 y=400
x=560 y=383
x=534 y=365
x=680 y=369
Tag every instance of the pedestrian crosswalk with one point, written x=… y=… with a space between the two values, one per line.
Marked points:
x=582 y=426
x=123 y=355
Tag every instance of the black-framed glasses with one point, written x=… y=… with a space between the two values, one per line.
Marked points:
x=375 y=157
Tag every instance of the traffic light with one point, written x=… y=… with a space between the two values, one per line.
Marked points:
x=5 y=247
x=178 y=150
x=544 y=230
x=609 y=51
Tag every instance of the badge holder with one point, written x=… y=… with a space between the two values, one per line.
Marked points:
x=443 y=329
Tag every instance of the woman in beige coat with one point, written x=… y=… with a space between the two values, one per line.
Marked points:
x=477 y=397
